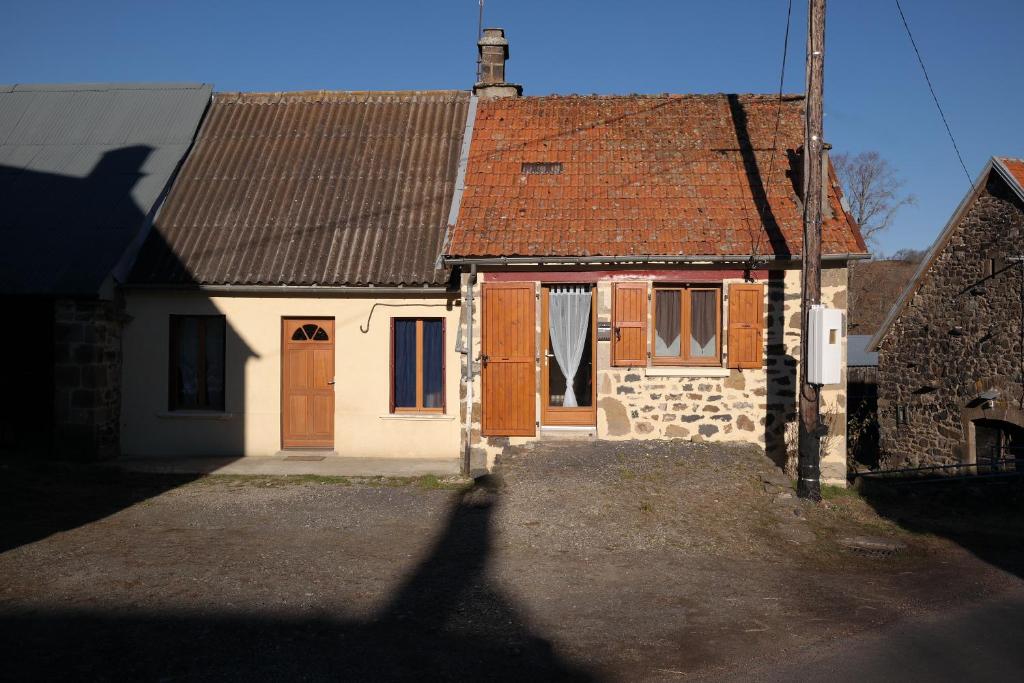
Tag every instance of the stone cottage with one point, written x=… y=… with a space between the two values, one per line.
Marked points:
x=630 y=270
x=950 y=355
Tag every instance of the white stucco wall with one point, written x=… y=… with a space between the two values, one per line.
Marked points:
x=251 y=423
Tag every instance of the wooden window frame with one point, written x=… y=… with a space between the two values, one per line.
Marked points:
x=684 y=359
x=202 y=403
x=419 y=409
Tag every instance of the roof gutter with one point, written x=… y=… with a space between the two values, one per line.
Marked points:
x=611 y=260
x=367 y=290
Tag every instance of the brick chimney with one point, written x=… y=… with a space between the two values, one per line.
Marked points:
x=493 y=48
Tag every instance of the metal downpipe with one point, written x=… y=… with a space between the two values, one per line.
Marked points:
x=466 y=460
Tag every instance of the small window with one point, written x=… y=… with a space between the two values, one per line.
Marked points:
x=310 y=333
x=687 y=325
x=197 y=362
x=417 y=365
x=541 y=168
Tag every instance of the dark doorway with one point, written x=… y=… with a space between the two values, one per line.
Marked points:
x=999 y=446
x=27 y=401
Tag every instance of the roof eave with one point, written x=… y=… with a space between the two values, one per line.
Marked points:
x=634 y=259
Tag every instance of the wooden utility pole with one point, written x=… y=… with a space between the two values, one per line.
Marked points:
x=809 y=447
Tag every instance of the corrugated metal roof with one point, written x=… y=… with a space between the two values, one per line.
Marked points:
x=857 y=354
x=312 y=188
x=81 y=166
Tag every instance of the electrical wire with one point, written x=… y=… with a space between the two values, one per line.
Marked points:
x=935 y=97
x=775 y=135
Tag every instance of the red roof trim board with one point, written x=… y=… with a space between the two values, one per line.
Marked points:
x=640 y=176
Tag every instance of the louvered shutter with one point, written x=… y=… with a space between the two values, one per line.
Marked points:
x=746 y=326
x=629 y=323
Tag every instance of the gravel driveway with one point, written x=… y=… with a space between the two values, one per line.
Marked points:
x=609 y=561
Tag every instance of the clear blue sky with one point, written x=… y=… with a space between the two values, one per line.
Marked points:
x=875 y=95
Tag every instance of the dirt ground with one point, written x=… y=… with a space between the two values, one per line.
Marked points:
x=610 y=561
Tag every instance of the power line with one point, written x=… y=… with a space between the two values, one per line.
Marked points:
x=775 y=135
x=782 y=79
x=934 y=96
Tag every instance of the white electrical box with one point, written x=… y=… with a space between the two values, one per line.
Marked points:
x=825 y=346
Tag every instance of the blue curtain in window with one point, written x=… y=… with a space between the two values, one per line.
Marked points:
x=405 y=363
x=432 y=360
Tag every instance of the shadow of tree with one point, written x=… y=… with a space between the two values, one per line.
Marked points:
x=446 y=622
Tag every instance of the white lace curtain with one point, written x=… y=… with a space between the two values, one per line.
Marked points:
x=569 y=322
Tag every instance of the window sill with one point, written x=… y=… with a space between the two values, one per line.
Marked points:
x=194 y=415
x=663 y=371
x=416 y=417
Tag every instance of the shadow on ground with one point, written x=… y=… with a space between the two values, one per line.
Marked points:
x=445 y=622
x=38 y=499
x=983 y=516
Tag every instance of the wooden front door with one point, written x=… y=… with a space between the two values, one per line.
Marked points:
x=508 y=365
x=307 y=383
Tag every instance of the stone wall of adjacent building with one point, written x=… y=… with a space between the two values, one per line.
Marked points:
x=959 y=335
x=716 y=405
x=87 y=378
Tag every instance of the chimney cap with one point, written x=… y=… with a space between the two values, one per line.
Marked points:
x=493 y=37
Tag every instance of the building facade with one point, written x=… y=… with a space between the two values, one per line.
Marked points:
x=289 y=297
x=950 y=352
x=630 y=270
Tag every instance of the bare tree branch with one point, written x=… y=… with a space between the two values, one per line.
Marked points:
x=872 y=190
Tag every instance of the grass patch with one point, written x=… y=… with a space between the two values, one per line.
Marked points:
x=273 y=481
x=831 y=492
x=427 y=482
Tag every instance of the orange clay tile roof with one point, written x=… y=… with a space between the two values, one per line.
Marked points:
x=641 y=176
x=1015 y=167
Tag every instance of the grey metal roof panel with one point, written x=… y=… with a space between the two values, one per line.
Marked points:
x=857 y=354
x=81 y=167
x=312 y=188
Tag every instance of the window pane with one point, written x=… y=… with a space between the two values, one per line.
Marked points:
x=666 y=313
x=187 y=355
x=433 y=382
x=703 y=332
x=405 y=364
x=215 y=363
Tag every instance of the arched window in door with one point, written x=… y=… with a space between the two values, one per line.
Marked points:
x=310 y=332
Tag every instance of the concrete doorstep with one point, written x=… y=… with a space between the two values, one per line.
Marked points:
x=322 y=463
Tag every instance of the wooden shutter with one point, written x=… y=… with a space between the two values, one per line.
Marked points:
x=746 y=326
x=508 y=364
x=629 y=323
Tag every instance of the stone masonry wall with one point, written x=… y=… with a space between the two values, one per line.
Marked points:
x=87 y=379
x=959 y=335
x=717 y=405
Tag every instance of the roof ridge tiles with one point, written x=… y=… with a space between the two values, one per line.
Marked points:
x=786 y=97
x=285 y=96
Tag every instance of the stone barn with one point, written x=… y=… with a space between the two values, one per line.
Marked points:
x=950 y=353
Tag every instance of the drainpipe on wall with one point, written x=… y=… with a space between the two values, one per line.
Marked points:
x=466 y=461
